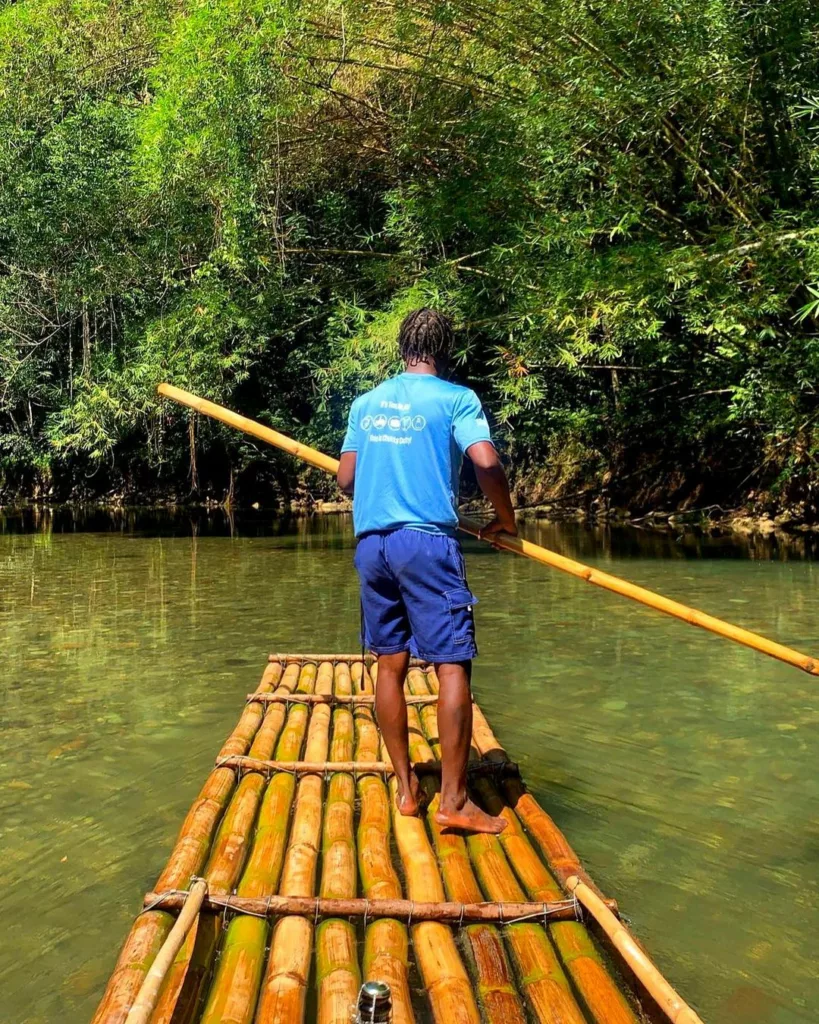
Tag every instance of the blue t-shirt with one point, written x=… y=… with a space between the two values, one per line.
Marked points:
x=409 y=434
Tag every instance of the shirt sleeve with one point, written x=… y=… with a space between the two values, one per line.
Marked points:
x=469 y=423
x=350 y=439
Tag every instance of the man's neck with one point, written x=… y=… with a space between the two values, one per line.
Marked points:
x=426 y=366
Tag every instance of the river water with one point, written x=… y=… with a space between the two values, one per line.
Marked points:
x=682 y=767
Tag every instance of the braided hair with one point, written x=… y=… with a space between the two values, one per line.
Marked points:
x=426 y=335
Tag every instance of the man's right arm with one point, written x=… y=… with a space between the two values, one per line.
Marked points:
x=346 y=464
x=492 y=481
x=346 y=472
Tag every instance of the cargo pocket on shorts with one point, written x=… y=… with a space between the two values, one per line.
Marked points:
x=460 y=603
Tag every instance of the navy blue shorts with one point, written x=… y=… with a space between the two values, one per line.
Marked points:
x=414 y=595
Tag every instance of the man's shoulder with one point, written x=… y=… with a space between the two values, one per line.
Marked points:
x=380 y=389
x=448 y=388
x=459 y=393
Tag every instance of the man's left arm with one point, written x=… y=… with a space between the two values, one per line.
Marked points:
x=471 y=431
x=492 y=481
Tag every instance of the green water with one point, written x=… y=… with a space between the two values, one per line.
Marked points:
x=682 y=767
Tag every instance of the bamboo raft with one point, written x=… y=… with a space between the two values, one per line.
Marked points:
x=294 y=879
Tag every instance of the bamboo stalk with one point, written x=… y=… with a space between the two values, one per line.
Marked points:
x=368 y=659
x=258 y=764
x=495 y=984
x=332 y=698
x=284 y=990
x=561 y=858
x=181 y=994
x=449 y=912
x=386 y=942
x=542 y=979
x=677 y=610
x=669 y=1001
x=187 y=858
x=235 y=987
x=146 y=1000
x=517 y=545
x=498 y=861
x=448 y=985
x=601 y=997
x=338 y=976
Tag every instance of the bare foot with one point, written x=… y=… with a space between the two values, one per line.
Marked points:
x=471 y=818
x=409 y=802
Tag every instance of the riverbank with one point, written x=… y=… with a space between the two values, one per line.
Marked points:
x=757 y=536
x=555 y=493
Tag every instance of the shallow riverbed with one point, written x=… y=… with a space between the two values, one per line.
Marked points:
x=682 y=767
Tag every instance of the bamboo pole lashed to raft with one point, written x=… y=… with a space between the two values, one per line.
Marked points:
x=338 y=976
x=181 y=994
x=321 y=907
x=516 y=545
x=506 y=865
x=143 y=1006
x=151 y=929
x=498 y=998
x=445 y=977
x=386 y=943
x=234 y=990
x=284 y=988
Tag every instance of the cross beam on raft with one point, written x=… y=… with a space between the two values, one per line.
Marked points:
x=330 y=698
x=474 y=768
x=401 y=910
x=517 y=545
x=367 y=659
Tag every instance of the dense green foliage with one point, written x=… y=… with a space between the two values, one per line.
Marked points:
x=617 y=202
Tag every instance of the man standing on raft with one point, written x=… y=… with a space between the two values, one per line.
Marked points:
x=402 y=458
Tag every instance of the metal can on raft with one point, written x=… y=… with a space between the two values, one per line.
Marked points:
x=374 y=1003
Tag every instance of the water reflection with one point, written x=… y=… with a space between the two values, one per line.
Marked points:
x=682 y=767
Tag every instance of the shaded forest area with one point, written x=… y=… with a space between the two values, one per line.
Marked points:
x=616 y=201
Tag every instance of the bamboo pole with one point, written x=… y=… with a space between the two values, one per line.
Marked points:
x=235 y=987
x=517 y=545
x=601 y=996
x=561 y=858
x=446 y=981
x=498 y=861
x=333 y=698
x=181 y=994
x=386 y=942
x=495 y=982
x=542 y=978
x=448 y=986
x=284 y=990
x=257 y=764
x=146 y=1000
x=368 y=659
x=187 y=858
x=669 y=1001
x=449 y=912
x=338 y=976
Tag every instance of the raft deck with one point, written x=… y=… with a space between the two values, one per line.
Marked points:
x=298 y=880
